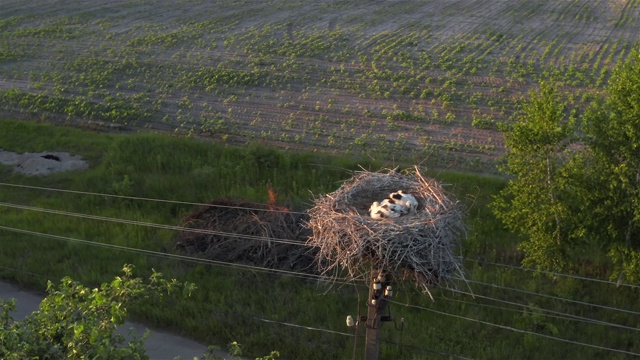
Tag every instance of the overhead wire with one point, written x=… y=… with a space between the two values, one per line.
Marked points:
x=517 y=267
x=176 y=256
x=266 y=239
x=146 y=198
x=306 y=327
x=271 y=321
x=533 y=293
x=254 y=317
x=504 y=327
x=355 y=336
x=22 y=271
x=543 y=311
x=199 y=260
x=286 y=323
x=553 y=273
x=154 y=225
x=303 y=326
x=308 y=276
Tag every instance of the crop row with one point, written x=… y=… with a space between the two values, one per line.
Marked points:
x=219 y=73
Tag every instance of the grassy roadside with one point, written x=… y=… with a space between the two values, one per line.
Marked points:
x=232 y=304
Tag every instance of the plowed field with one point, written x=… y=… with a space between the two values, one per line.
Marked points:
x=396 y=80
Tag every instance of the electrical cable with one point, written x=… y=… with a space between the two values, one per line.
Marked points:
x=298 y=243
x=197 y=260
x=543 y=311
x=252 y=237
x=551 y=297
x=177 y=256
x=293 y=212
x=571 y=316
x=516 y=267
x=153 y=225
x=146 y=199
x=290 y=242
x=504 y=327
x=306 y=327
x=226 y=313
x=289 y=324
x=22 y=271
x=302 y=326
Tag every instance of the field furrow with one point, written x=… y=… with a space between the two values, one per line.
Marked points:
x=332 y=74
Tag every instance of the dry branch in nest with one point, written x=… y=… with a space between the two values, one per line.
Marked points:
x=249 y=233
x=420 y=245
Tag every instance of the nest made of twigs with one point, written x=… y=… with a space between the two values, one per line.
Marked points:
x=249 y=233
x=420 y=245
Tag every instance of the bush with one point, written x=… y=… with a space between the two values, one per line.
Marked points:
x=77 y=322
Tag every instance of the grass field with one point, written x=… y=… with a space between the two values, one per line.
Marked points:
x=424 y=81
x=513 y=313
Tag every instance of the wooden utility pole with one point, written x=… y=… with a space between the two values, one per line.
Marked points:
x=379 y=293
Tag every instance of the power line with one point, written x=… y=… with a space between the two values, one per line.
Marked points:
x=305 y=327
x=284 y=323
x=254 y=317
x=226 y=313
x=558 y=315
x=578 y=277
x=146 y=198
x=284 y=272
x=302 y=326
x=268 y=239
x=519 y=330
x=154 y=225
x=176 y=256
x=271 y=321
x=294 y=212
x=545 y=312
x=285 y=241
x=22 y=271
x=289 y=324
x=552 y=297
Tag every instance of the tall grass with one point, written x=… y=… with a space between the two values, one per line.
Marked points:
x=232 y=304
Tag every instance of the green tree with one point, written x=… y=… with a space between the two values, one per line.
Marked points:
x=612 y=183
x=560 y=196
x=77 y=322
x=535 y=203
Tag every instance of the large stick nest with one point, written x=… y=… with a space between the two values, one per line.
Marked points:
x=420 y=245
x=249 y=233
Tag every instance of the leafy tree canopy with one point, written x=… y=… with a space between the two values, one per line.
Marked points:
x=573 y=185
x=613 y=141
x=532 y=203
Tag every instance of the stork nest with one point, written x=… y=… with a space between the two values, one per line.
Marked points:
x=249 y=233
x=420 y=245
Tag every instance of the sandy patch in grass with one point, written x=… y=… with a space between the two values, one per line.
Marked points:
x=43 y=163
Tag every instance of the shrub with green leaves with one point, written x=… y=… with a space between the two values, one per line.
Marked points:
x=78 y=322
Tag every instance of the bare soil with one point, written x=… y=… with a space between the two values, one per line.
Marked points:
x=43 y=163
x=336 y=96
